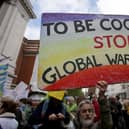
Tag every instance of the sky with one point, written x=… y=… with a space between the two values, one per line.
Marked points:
x=72 y=6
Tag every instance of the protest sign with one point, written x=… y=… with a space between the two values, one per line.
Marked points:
x=93 y=44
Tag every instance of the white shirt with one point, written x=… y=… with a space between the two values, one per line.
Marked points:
x=8 y=121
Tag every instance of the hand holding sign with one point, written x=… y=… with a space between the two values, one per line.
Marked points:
x=102 y=85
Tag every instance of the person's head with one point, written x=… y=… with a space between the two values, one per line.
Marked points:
x=80 y=98
x=112 y=100
x=7 y=105
x=118 y=97
x=86 y=113
x=70 y=100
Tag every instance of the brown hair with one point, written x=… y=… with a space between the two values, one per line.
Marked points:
x=8 y=104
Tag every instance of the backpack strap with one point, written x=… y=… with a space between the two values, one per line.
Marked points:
x=45 y=106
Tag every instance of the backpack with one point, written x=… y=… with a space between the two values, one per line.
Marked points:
x=36 y=117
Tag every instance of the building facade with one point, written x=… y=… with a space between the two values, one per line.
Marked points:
x=14 y=16
x=26 y=61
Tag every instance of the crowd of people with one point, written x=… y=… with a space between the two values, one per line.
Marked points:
x=98 y=112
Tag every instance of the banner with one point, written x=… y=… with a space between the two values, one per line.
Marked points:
x=3 y=76
x=21 y=91
x=77 y=50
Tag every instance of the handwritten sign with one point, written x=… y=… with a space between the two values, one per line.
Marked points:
x=72 y=43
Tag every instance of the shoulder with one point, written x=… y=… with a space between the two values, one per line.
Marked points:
x=7 y=123
x=76 y=123
x=7 y=115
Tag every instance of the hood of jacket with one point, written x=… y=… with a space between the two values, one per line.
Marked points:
x=7 y=115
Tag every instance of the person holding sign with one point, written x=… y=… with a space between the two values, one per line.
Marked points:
x=86 y=112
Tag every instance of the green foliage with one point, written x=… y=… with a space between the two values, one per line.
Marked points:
x=75 y=92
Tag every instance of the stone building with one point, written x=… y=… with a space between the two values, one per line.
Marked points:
x=14 y=16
